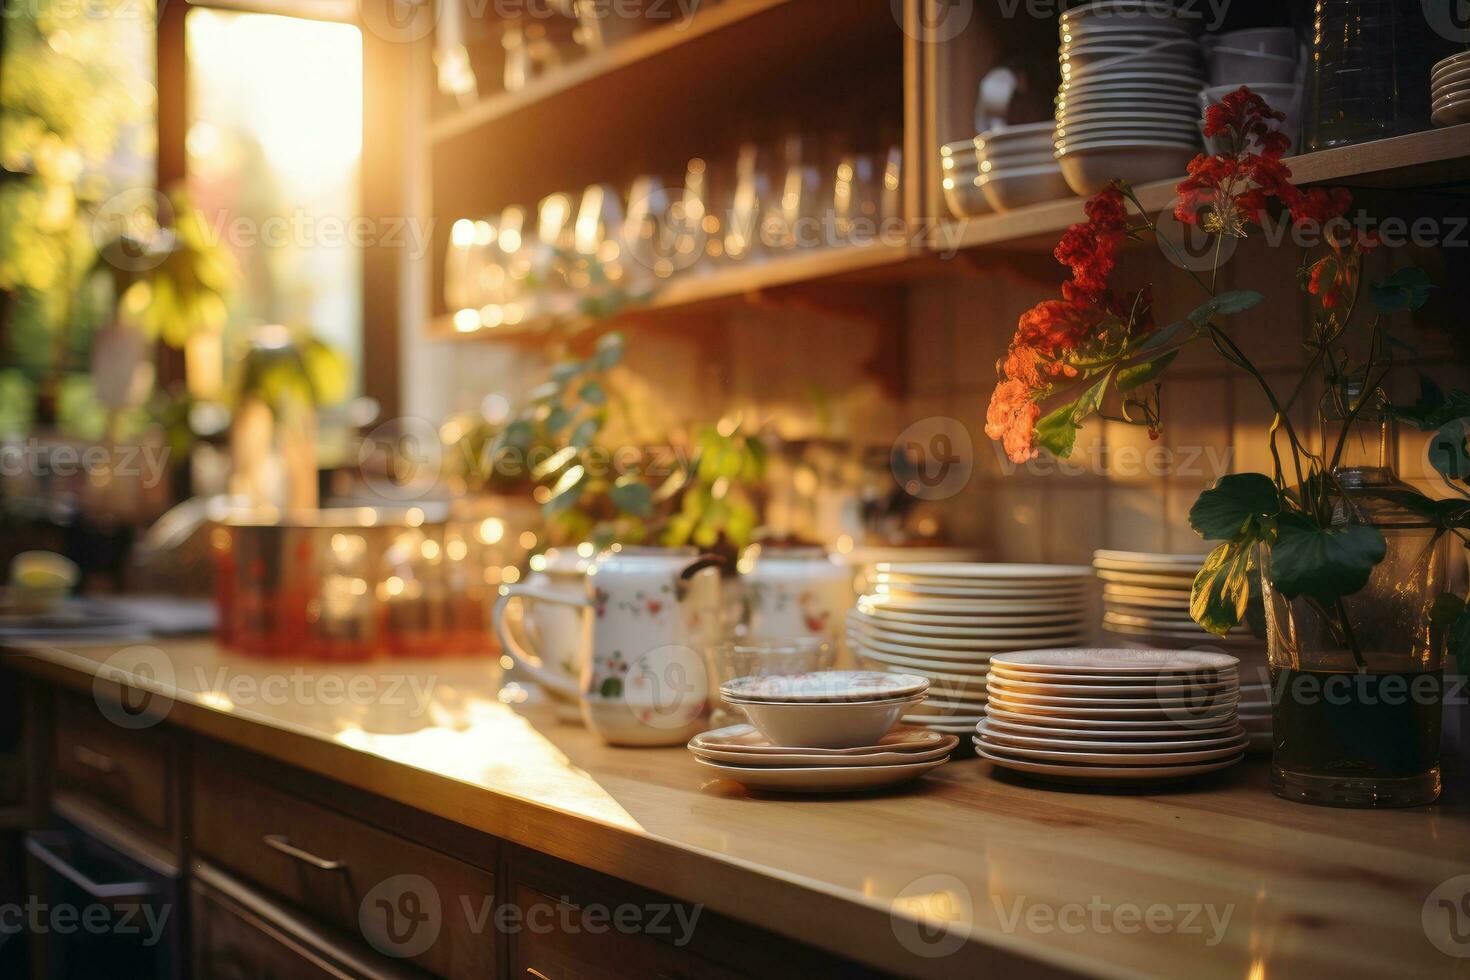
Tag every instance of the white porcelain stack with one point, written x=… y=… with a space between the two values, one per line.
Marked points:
x=1146 y=605
x=1449 y=87
x=1017 y=166
x=1131 y=73
x=832 y=729
x=1265 y=59
x=944 y=621
x=1112 y=716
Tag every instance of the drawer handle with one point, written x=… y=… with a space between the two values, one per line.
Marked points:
x=42 y=846
x=94 y=760
x=280 y=843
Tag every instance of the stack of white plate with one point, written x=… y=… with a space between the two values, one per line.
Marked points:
x=1017 y=166
x=944 y=621
x=743 y=754
x=1131 y=72
x=1146 y=604
x=1112 y=716
x=1449 y=87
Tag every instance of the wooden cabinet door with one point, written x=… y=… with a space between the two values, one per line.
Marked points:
x=129 y=773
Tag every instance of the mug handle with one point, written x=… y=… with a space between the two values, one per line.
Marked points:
x=531 y=662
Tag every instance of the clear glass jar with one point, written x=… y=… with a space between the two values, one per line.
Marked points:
x=1357 y=688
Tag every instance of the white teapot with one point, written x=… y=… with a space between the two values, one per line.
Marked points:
x=651 y=615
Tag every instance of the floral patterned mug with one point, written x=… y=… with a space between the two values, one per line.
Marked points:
x=653 y=613
x=797 y=593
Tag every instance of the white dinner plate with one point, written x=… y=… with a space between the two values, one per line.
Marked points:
x=822 y=779
x=974 y=653
x=976 y=638
x=1085 y=740
x=1105 y=773
x=936 y=670
x=1109 y=712
x=747 y=738
x=1205 y=679
x=1173 y=725
x=986 y=612
x=1114 y=758
x=947 y=745
x=1166 y=688
x=989 y=571
x=1113 y=661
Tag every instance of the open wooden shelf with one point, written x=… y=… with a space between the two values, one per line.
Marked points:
x=1428 y=159
x=734 y=284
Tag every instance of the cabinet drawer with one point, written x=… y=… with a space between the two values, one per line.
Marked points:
x=237 y=935
x=560 y=941
x=400 y=897
x=131 y=773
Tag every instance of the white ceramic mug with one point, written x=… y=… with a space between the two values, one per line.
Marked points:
x=557 y=630
x=650 y=614
x=796 y=593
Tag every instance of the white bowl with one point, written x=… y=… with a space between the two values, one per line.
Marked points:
x=1123 y=12
x=1279 y=41
x=1025 y=186
x=824 y=725
x=1453 y=63
x=1165 y=80
x=1080 y=117
x=965 y=199
x=1185 y=129
x=1280 y=95
x=1017 y=132
x=1088 y=169
x=1452 y=114
x=1451 y=80
x=1237 y=68
x=1005 y=165
x=1448 y=96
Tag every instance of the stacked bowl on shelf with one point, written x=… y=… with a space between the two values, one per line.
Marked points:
x=944 y=621
x=961 y=165
x=1146 y=605
x=1112 y=715
x=1126 y=109
x=1017 y=166
x=1449 y=85
x=1265 y=59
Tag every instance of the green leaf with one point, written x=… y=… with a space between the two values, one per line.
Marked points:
x=585 y=432
x=1141 y=374
x=612 y=687
x=1324 y=563
x=609 y=351
x=1240 y=505
x=1237 y=301
x=632 y=497
x=567 y=492
x=1221 y=593
x=1446 y=609
x=1406 y=289
x=1057 y=432
x=1165 y=336
x=591 y=392
x=565 y=371
x=557 y=419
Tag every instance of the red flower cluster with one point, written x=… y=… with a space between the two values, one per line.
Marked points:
x=1050 y=330
x=1232 y=189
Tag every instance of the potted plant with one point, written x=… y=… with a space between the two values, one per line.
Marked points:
x=1348 y=561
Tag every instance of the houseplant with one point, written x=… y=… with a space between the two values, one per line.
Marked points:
x=1347 y=560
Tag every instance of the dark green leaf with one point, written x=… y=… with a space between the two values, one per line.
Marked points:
x=632 y=497
x=1225 y=304
x=566 y=370
x=591 y=392
x=585 y=432
x=1446 y=609
x=1141 y=374
x=1434 y=408
x=1447 y=450
x=567 y=492
x=609 y=351
x=557 y=419
x=1240 y=505
x=1221 y=592
x=1324 y=563
x=1057 y=433
x=1406 y=289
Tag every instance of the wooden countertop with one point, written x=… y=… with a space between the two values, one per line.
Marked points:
x=978 y=871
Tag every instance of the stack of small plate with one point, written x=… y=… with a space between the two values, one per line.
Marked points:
x=944 y=621
x=1146 y=604
x=1449 y=87
x=1112 y=716
x=742 y=753
x=1130 y=74
x=1018 y=168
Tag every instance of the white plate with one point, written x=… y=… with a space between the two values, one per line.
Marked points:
x=746 y=738
x=1105 y=710
x=1113 y=758
x=825 y=686
x=1141 y=594
x=1190 y=567
x=1106 y=773
x=947 y=743
x=821 y=779
x=989 y=571
x=1173 y=725
x=1152 y=621
x=1452 y=114
x=969 y=636
x=1165 y=688
x=1104 y=661
x=908 y=590
x=947 y=671
x=1209 y=681
x=1148 y=557
x=972 y=606
x=1173 y=580
x=977 y=652
x=957 y=728
x=1039 y=737
x=1197 y=635
x=931 y=623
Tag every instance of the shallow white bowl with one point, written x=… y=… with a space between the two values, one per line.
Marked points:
x=824 y=725
x=1103 y=128
x=1451 y=80
x=1004 y=165
x=1089 y=169
x=1453 y=63
x=1236 y=68
x=1009 y=190
x=965 y=199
